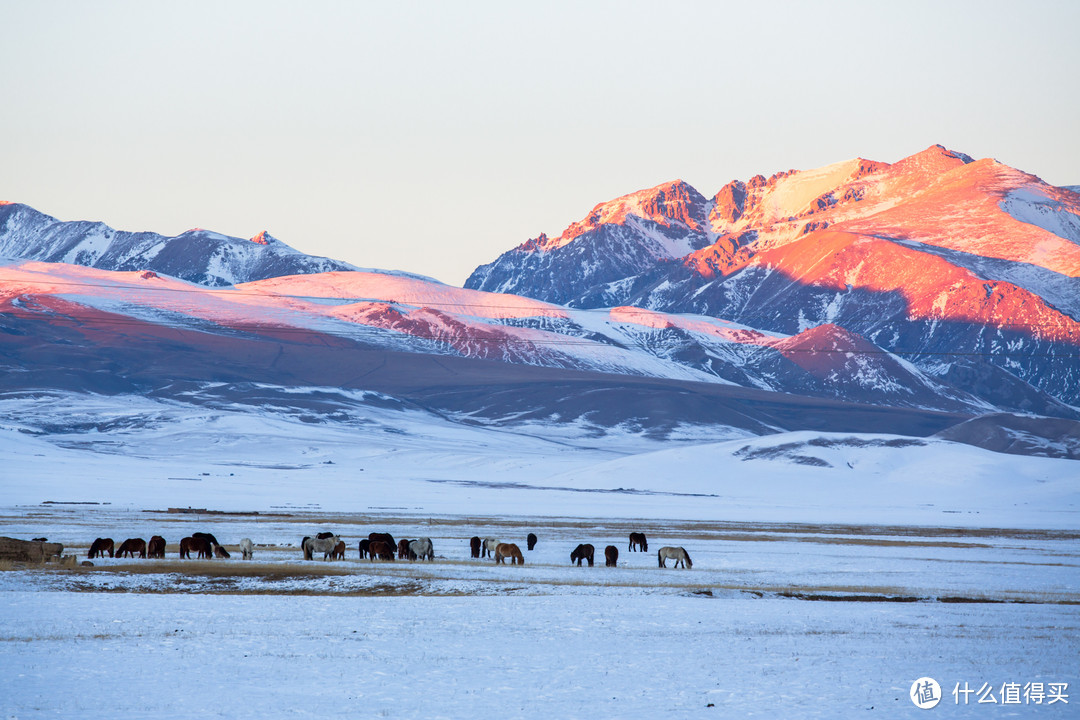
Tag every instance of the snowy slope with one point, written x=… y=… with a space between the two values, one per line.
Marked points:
x=199 y=256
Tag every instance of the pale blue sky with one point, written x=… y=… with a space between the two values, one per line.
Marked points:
x=431 y=136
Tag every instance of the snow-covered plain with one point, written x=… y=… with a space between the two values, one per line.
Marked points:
x=829 y=571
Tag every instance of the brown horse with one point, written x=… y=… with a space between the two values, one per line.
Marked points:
x=101 y=546
x=156 y=547
x=584 y=551
x=508 y=550
x=132 y=547
x=381 y=550
x=638 y=542
x=611 y=556
x=195 y=544
x=382 y=537
x=474 y=546
x=221 y=552
x=324 y=535
x=530 y=541
x=338 y=553
x=403 y=549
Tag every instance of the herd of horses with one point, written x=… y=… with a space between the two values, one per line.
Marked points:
x=381 y=546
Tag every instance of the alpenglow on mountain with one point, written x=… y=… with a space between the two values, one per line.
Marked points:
x=969 y=269
x=935 y=295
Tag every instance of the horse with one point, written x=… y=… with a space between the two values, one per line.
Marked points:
x=132 y=547
x=247 y=548
x=381 y=550
x=474 y=546
x=99 y=547
x=363 y=547
x=611 y=556
x=421 y=548
x=207 y=537
x=488 y=546
x=221 y=552
x=384 y=537
x=156 y=547
x=530 y=541
x=582 y=552
x=674 y=553
x=201 y=546
x=508 y=550
x=324 y=536
x=638 y=542
x=403 y=550
x=311 y=545
x=339 y=551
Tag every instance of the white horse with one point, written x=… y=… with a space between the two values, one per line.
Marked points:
x=674 y=553
x=422 y=549
x=325 y=546
x=489 y=546
x=247 y=548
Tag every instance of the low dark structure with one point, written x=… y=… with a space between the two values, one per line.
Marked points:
x=34 y=551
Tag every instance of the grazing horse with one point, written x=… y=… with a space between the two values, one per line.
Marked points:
x=197 y=544
x=530 y=541
x=674 y=553
x=221 y=552
x=474 y=546
x=582 y=552
x=421 y=548
x=99 y=547
x=403 y=550
x=611 y=556
x=247 y=548
x=381 y=550
x=508 y=550
x=363 y=547
x=638 y=542
x=208 y=537
x=488 y=546
x=156 y=547
x=384 y=537
x=132 y=547
x=311 y=545
x=338 y=552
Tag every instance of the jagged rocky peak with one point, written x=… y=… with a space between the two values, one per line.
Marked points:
x=728 y=204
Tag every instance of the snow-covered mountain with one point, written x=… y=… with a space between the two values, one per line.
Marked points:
x=968 y=269
x=906 y=298
x=198 y=256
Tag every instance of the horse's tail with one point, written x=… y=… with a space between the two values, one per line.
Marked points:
x=659 y=558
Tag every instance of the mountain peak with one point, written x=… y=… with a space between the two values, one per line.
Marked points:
x=263 y=238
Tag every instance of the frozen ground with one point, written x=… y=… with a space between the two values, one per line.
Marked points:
x=830 y=571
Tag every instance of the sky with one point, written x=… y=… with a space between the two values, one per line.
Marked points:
x=433 y=136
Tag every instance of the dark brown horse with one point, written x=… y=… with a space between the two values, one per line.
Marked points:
x=324 y=535
x=638 y=542
x=380 y=549
x=156 y=547
x=198 y=545
x=221 y=552
x=611 y=556
x=403 y=549
x=474 y=546
x=338 y=552
x=132 y=547
x=508 y=550
x=363 y=547
x=584 y=551
x=382 y=537
x=530 y=541
x=99 y=547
